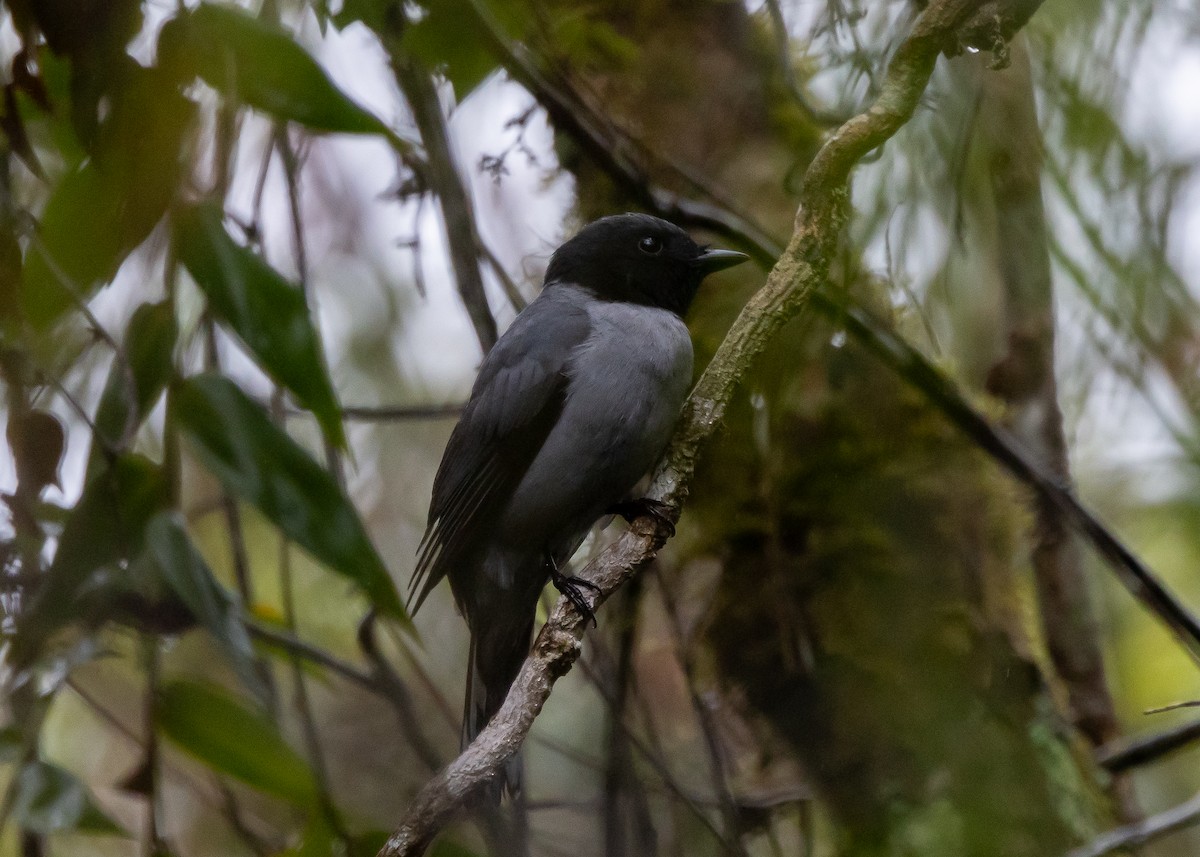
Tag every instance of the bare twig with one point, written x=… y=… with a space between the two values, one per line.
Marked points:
x=783 y=48
x=802 y=268
x=708 y=725
x=1131 y=753
x=1133 y=836
x=443 y=175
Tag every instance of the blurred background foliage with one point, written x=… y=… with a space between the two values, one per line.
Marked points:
x=250 y=257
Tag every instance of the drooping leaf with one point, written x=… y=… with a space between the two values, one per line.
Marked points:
x=37 y=442
x=448 y=39
x=103 y=209
x=259 y=463
x=266 y=311
x=108 y=524
x=11 y=743
x=319 y=839
x=49 y=799
x=186 y=573
x=135 y=383
x=258 y=64
x=208 y=723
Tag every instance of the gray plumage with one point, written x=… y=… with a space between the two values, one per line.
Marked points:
x=571 y=408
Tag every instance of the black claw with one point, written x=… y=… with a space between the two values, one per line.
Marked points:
x=656 y=509
x=572 y=588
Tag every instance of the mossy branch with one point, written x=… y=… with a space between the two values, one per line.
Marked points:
x=943 y=27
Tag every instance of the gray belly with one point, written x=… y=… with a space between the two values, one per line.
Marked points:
x=627 y=386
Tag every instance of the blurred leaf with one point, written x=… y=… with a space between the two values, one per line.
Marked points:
x=446 y=848
x=267 y=312
x=36 y=440
x=318 y=839
x=258 y=64
x=148 y=348
x=108 y=524
x=49 y=799
x=187 y=574
x=260 y=463
x=11 y=744
x=210 y=725
x=448 y=39
x=101 y=211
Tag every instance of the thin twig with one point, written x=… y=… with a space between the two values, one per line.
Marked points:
x=443 y=176
x=708 y=727
x=1122 y=755
x=1133 y=836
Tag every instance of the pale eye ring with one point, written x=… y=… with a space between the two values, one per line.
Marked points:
x=650 y=245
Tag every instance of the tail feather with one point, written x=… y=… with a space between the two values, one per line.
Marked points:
x=495 y=659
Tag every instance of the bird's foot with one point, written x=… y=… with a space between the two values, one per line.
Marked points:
x=644 y=506
x=572 y=588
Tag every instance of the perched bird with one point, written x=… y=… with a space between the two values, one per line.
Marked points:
x=571 y=408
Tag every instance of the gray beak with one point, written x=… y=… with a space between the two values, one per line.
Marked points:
x=718 y=260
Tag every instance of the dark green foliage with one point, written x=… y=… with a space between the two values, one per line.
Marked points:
x=217 y=729
x=257 y=462
x=106 y=527
x=267 y=312
x=254 y=63
x=136 y=382
x=172 y=558
x=105 y=207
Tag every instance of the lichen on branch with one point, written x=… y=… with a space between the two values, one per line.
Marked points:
x=943 y=27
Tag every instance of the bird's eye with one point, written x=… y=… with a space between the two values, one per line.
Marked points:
x=650 y=245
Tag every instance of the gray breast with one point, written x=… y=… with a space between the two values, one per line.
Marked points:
x=627 y=384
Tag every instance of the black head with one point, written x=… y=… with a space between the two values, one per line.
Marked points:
x=638 y=258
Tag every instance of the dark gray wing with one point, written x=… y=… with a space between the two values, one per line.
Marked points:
x=516 y=400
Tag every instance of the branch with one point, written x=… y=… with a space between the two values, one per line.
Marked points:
x=803 y=267
x=982 y=29
x=1120 y=756
x=1133 y=836
x=442 y=174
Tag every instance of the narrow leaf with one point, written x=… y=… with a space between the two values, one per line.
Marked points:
x=135 y=383
x=99 y=212
x=258 y=462
x=258 y=64
x=108 y=524
x=209 y=724
x=184 y=570
x=48 y=799
x=266 y=311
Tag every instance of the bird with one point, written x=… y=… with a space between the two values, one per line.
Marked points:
x=571 y=408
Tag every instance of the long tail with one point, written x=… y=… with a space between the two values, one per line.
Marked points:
x=495 y=659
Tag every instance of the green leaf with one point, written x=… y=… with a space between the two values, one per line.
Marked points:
x=258 y=462
x=319 y=839
x=447 y=848
x=206 y=722
x=108 y=524
x=449 y=39
x=11 y=744
x=267 y=312
x=99 y=212
x=258 y=64
x=135 y=384
x=48 y=799
x=186 y=573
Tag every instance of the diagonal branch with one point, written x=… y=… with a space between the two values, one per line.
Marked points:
x=803 y=267
x=442 y=173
